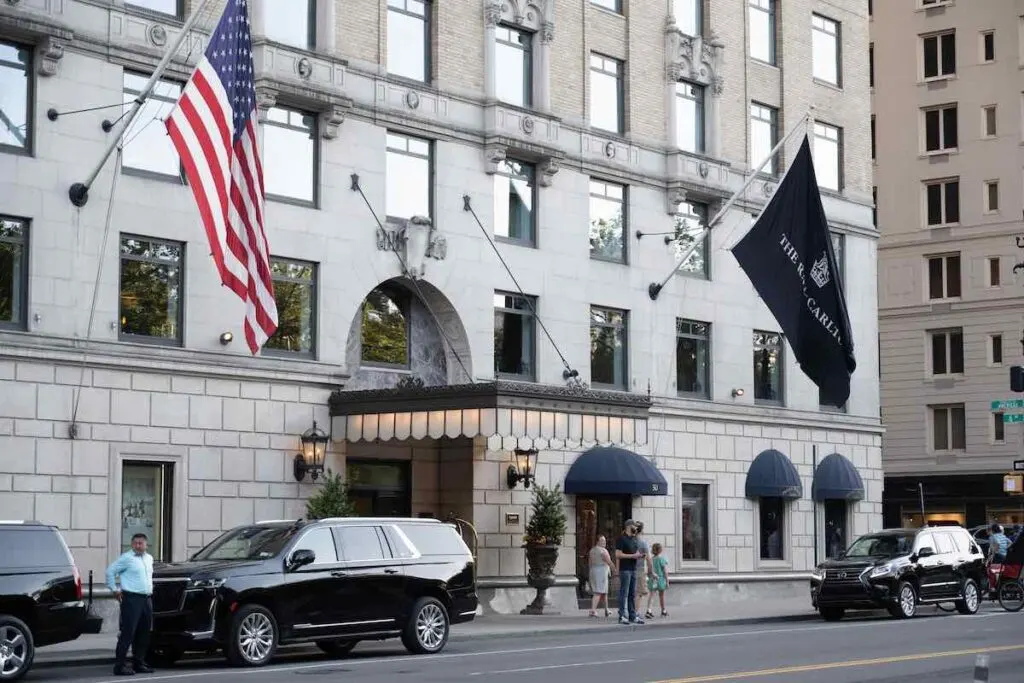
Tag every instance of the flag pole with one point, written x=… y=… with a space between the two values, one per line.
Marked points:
x=654 y=289
x=79 y=192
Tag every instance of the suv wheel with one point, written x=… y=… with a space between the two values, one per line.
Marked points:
x=336 y=648
x=17 y=649
x=970 y=598
x=253 y=637
x=832 y=613
x=427 y=630
x=906 y=601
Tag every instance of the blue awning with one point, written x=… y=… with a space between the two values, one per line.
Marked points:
x=837 y=479
x=607 y=470
x=773 y=475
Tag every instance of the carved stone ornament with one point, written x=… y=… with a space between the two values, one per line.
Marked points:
x=493 y=157
x=527 y=125
x=767 y=189
x=703 y=169
x=674 y=197
x=492 y=13
x=266 y=99
x=412 y=99
x=158 y=35
x=421 y=241
x=51 y=51
x=717 y=85
x=693 y=58
x=304 y=68
x=330 y=120
x=548 y=169
x=609 y=150
x=547 y=32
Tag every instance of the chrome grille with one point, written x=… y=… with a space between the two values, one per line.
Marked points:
x=843 y=576
x=168 y=595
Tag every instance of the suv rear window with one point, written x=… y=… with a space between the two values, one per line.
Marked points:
x=32 y=547
x=434 y=539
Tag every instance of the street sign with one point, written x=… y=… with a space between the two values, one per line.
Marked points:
x=1018 y=465
x=1009 y=404
x=1013 y=417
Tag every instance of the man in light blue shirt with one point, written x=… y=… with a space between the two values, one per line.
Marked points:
x=130 y=578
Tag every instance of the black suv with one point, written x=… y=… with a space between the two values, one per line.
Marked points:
x=899 y=569
x=41 y=597
x=331 y=582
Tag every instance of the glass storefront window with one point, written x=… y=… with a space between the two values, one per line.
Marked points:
x=912 y=520
x=146 y=505
x=836 y=534
x=694 y=499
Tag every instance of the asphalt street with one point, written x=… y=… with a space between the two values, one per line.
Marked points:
x=938 y=648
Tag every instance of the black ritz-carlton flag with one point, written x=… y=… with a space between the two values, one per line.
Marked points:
x=789 y=259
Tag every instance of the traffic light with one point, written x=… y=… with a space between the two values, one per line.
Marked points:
x=1017 y=378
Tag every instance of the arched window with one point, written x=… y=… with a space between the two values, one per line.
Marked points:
x=385 y=328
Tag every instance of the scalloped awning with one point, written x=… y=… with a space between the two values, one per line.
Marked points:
x=509 y=414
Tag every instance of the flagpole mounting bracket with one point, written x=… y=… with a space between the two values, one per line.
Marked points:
x=78 y=194
x=653 y=290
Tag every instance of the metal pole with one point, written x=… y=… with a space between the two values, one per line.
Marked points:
x=79 y=192
x=654 y=289
x=814 y=503
x=920 y=490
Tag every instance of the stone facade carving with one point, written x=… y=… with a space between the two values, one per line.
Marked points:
x=266 y=99
x=330 y=120
x=694 y=59
x=548 y=169
x=492 y=13
x=416 y=240
x=674 y=197
x=547 y=163
x=493 y=157
x=51 y=51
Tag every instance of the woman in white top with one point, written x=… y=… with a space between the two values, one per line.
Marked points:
x=600 y=566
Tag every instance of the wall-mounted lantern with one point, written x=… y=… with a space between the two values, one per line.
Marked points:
x=523 y=468
x=314 y=451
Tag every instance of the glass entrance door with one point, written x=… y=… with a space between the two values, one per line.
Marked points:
x=598 y=516
x=380 y=488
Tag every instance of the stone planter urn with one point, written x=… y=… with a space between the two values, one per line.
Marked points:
x=540 y=560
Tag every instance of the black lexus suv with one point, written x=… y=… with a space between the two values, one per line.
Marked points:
x=41 y=597
x=331 y=582
x=899 y=569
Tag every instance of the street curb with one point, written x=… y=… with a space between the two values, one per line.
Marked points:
x=96 y=657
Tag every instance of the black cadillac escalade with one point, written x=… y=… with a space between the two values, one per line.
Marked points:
x=331 y=582
x=899 y=569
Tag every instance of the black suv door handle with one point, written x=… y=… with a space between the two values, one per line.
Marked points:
x=338 y=574
x=390 y=570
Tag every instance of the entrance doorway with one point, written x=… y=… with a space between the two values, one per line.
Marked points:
x=598 y=516
x=380 y=488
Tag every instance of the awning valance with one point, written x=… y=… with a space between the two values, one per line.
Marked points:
x=836 y=478
x=773 y=475
x=607 y=470
x=509 y=414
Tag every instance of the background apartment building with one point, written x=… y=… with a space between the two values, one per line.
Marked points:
x=583 y=134
x=947 y=131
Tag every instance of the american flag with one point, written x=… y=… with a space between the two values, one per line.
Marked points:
x=214 y=128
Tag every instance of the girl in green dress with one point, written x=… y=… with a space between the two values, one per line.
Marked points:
x=657 y=580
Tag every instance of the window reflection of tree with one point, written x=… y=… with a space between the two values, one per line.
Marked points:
x=766 y=366
x=690 y=220
x=294 y=284
x=150 y=288
x=385 y=328
x=605 y=349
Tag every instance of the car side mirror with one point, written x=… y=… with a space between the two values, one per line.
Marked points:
x=925 y=552
x=300 y=558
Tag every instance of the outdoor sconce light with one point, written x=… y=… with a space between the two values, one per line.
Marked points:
x=523 y=469
x=736 y=393
x=226 y=338
x=314 y=450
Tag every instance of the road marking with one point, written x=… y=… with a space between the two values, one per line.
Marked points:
x=844 y=665
x=552 y=666
x=548 y=648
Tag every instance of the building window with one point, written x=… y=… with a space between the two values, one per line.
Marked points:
x=988 y=46
x=515 y=196
x=828 y=156
x=872 y=137
x=994 y=273
x=409 y=172
x=16 y=75
x=949 y=428
x=874 y=207
x=825 y=44
x=290 y=22
x=409 y=39
x=998 y=431
x=689 y=16
x=608 y=348
x=613 y=5
x=172 y=7
x=939 y=55
x=764 y=135
x=941 y=129
x=381 y=488
x=762 y=30
x=942 y=198
x=607 y=108
x=689 y=117
x=947 y=352
x=690 y=221
x=607 y=221
x=839 y=251
x=988 y=121
x=291 y=155
x=147 y=492
x=772 y=527
x=768 y=364
x=514 y=55
x=694 y=527
x=693 y=358
x=295 y=295
x=515 y=336
x=871 y=65
x=148 y=148
x=385 y=328
x=13 y=272
x=836 y=536
x=995 y=345
x=991 y=196
x=944 y=277
x=152 y=284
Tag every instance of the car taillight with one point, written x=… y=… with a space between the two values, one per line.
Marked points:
x=78 y=583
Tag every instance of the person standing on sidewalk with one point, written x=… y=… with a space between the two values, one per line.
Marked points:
x=643 y=567
x=130 y=578
x=627 y=552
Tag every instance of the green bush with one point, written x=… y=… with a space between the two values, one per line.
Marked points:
x=331 y=499
x=547 y=519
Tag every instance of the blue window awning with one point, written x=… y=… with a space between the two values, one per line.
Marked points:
x=773 y=475
x=607 y=470
x=836 y=478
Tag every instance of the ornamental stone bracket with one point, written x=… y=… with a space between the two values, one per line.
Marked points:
x=49 y=54
x=679 y=192
x=547 y=160
x=330 y=108
x=694 y=58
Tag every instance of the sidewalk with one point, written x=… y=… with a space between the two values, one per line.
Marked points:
x=98 y=649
